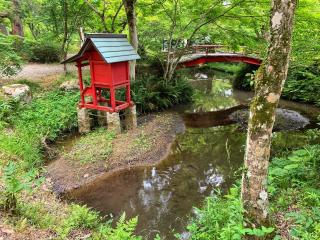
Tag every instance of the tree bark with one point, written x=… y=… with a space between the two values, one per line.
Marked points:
x=133 y=34
x=269 y=82
x=17 y=26
x=65 y=34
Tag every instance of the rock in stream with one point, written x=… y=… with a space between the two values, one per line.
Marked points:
x=285 y=119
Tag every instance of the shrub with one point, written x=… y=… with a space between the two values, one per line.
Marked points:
x=152 y=94
x=124 y=230
x=44 y=52
x=303 y=83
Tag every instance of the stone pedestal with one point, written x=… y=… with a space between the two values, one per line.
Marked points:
x=84 y=121
x=130 y=120
x=113 y=122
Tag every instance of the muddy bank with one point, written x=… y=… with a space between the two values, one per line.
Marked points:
x=144 y=146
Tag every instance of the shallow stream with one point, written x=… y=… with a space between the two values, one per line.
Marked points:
x=202 y=160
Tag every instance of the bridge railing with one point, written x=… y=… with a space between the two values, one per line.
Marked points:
x=214 y=48
x=217 y=48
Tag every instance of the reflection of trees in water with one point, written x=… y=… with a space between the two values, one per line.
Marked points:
x=220 y=96
x=222 y=146
x=199 y=164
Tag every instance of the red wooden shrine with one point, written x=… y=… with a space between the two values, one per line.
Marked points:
x=108 y=57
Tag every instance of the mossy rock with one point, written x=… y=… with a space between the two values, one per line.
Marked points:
x=285 y=119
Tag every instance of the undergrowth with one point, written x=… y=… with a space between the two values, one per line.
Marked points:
x=302 y=84
x=294 y=203
x=27 y=130
x=294 y=192
x=153 y=94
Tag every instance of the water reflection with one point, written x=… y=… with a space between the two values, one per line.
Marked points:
x=212 y=96
x=163 y=196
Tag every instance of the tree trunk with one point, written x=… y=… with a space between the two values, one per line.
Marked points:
x=133 y=34
x=269 y=82
x=65 y=34
x=17 y=26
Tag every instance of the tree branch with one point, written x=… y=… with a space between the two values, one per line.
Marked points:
x=116 y=15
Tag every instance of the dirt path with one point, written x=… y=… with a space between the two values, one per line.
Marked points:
x=158 y=132
x=37 y=72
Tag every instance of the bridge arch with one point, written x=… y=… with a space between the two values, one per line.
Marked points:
x=195 y=59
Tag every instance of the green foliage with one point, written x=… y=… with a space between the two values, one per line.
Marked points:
x=124 y=230
x=303 y=83
x=83 y=218
x=226 y=67
x=14 y=183
x=244 y=79
x=8 y=109
x=80 y=218
x=35 y=214
x=94 y=146
x=152 y=93
x=10 y=61
x=44 y=52
x=43 y=119
x=222 y=218
x=294 y=191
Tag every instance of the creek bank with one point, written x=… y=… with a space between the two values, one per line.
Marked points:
x=147 y=145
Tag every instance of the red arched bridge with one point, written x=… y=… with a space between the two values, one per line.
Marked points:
x=201 y=54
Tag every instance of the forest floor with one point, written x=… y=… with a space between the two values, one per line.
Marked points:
x=146 y=145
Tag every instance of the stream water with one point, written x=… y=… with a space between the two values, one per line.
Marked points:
x=202 y=161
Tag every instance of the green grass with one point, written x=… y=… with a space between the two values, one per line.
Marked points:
x=43 y=119
x=94 y=146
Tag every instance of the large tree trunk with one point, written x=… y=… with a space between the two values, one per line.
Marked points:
x=17 y=26
x=133 y=34
x=269 y=81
